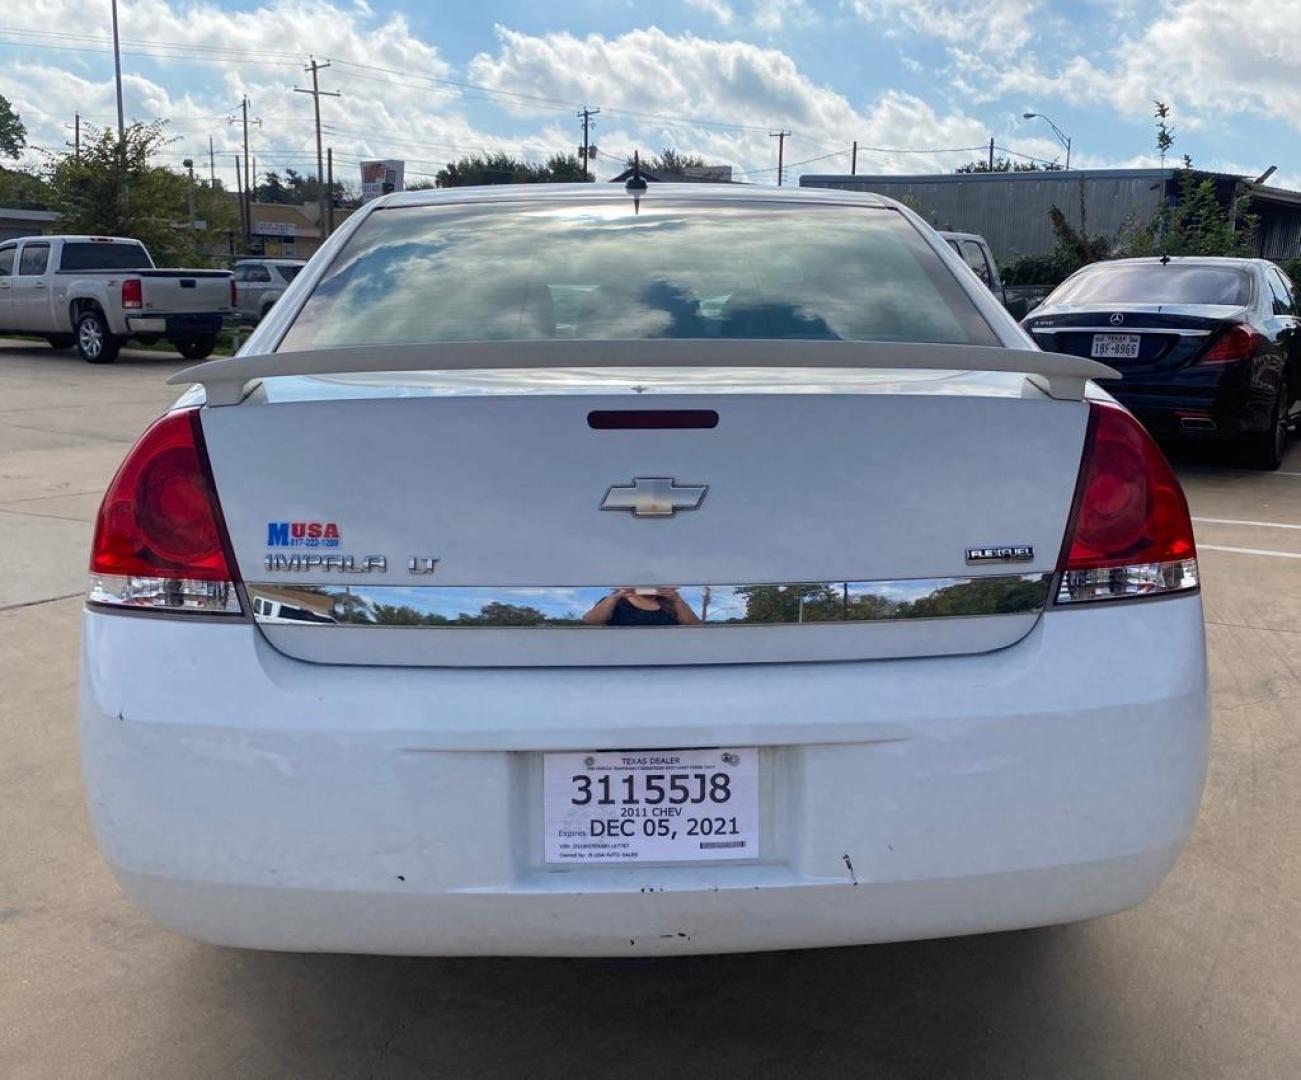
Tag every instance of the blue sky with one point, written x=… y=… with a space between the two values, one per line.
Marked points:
x=430 y=82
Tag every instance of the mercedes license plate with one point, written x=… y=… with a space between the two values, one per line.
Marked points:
x=615 y=806
x=1115 y=346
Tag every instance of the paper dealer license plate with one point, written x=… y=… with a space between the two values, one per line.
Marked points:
x=626 y=806
x=1115 y=346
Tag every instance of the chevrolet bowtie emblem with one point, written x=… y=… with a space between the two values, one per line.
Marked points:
x=654 y=496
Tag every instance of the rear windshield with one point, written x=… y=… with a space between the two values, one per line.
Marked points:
x=89 y=255
x=1156 y=284
x=603 y=271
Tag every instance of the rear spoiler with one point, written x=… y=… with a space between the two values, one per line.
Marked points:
x=225 y=382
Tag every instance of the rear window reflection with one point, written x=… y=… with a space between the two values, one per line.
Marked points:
x=1156 y=284
x=601 y=271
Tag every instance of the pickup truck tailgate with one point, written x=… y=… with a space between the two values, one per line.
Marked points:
x=184 y=292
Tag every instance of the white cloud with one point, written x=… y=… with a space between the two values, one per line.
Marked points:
x=719 y=10
x=716 y=98
x=651 y=84
x=995 y=26
x=1206 y=58
x=768 y=16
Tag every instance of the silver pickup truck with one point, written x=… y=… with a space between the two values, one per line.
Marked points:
x=95 y=292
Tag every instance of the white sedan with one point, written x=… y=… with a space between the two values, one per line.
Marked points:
x=581 y=571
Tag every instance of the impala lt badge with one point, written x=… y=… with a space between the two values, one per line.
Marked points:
x=654 y=496
x=1010 y=553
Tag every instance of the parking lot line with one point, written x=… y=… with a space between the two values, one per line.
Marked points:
x=1250 y=551
x=1253 y=524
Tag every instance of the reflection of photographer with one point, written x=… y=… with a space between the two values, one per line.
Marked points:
x=642 y=607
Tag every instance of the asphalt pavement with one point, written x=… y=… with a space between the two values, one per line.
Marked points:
x=1204 y=980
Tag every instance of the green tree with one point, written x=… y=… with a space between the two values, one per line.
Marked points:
x=791 y=603
x=1002 y=164
x=668 y=162
x=497 y=613
x=13 y=133
x=113 y=189
x=272 y=189
x=1165 y=134
x=1198 y=222
x=502 y=168
x=23 y=190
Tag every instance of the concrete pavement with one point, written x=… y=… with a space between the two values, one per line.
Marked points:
x=1202 y=981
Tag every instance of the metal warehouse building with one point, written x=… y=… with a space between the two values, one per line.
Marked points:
x=1011 y=209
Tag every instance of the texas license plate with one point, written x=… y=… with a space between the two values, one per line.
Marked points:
x=1115 y=346
x=619 y=806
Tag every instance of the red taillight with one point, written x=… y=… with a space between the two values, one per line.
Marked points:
x=1130 y=533
x=1235 y=343
x=132 y=295
x=160 y=523
x=234 y=292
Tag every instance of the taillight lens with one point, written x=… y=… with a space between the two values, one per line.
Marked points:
x=1130 y=533
x=234 y=292
x=160 y=541
x=132 y=294
x=1235 y=343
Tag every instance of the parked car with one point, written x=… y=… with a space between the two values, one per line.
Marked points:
x=1208 y=347
x=259 y=283
x=96 y=292
x=833 y=612
x=975 y=251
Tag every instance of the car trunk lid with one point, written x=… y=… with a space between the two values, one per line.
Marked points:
x=1167 y=337
x=840 y=515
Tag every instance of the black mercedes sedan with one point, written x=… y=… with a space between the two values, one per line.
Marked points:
x=1208 y=347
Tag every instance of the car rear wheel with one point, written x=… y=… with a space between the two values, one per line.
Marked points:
x=94 y=341
x=61 y=341
x=199 y=348
x=1265 y=449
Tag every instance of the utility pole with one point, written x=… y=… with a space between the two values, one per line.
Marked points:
x=991 y=153
x=117 y=74
x=316 y=92
x=246 y=195
x=781 y=137
x=243 y=208
x=329 y=190
x=853 y=160
x=585 y=115
x=212 y=165
x=76 y=135
x=189 y=191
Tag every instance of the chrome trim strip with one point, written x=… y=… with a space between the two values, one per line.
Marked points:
x=1122 y=329
x=564 y=607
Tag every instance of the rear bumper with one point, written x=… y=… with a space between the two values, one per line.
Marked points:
x=247 y=799
x=176 y=326
x=1236 y=398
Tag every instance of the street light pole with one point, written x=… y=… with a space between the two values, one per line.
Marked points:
x=1062 y=137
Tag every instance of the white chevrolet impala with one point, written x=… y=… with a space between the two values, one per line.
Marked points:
x=577 y=570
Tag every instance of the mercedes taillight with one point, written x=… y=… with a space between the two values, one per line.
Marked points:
x=160 y=541
x=1236 y=343
x=1130 y=534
